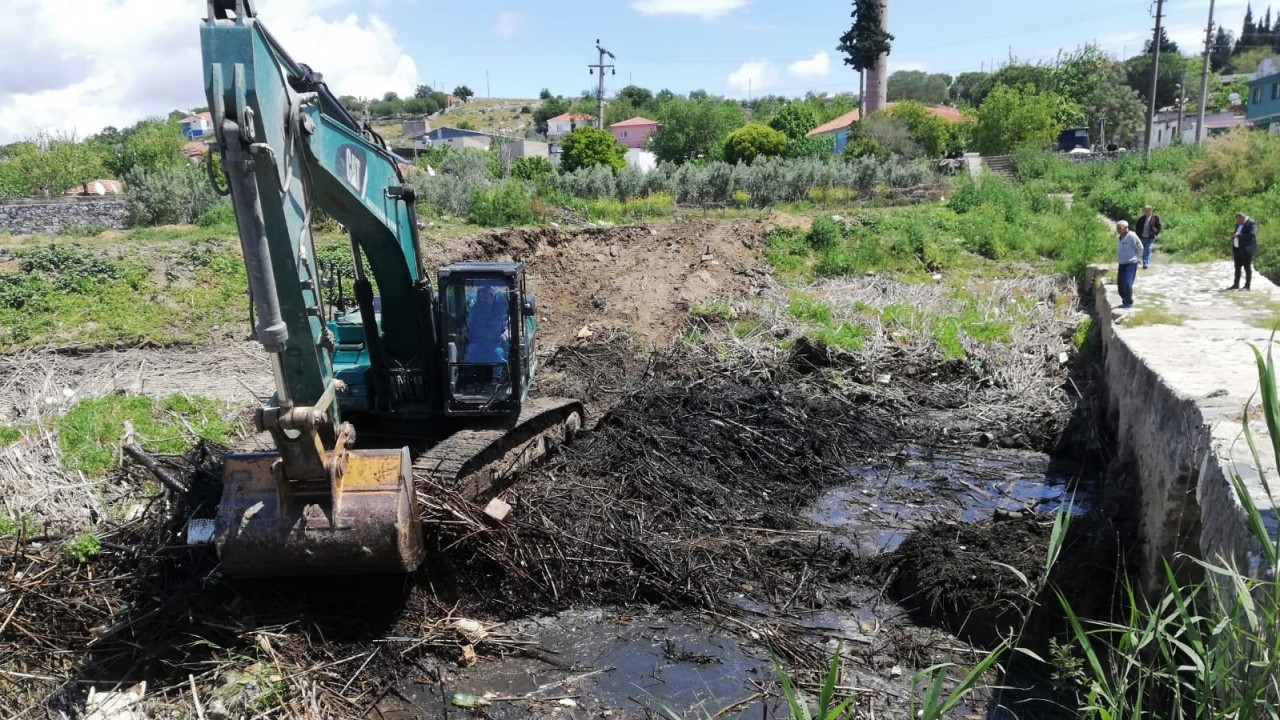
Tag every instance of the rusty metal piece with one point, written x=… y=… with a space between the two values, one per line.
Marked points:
x=267 y=526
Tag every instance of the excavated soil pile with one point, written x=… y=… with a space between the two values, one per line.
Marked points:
x=642 y=278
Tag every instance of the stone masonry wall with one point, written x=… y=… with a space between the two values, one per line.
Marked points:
x=50 y=216
x=1175 y=396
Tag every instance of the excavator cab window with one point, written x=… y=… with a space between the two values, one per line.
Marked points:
x=482 y=330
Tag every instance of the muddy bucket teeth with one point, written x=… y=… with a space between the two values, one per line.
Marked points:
x=269 y=528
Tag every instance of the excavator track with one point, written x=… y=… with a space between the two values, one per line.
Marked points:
x=479 y=462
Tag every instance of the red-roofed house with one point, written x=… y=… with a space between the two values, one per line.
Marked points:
x=195 y=150
x=561 y=125
x=839 y=127
x=634 y=133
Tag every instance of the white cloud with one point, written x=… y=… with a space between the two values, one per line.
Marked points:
x=508 y=24
x=752 y=77
x=705 y=9
x=80 y=65
x=815 y=67
x=909 y=66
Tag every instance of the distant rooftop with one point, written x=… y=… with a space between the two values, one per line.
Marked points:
x=634 y=121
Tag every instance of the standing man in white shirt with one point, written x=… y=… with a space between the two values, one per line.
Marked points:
x=1128 y=254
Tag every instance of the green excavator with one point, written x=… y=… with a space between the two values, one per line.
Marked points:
x=435 y=378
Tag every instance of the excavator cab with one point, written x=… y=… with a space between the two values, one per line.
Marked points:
x=487 y=328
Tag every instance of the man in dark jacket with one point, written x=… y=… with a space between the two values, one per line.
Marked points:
x=1148 y=229
x=1244 y=243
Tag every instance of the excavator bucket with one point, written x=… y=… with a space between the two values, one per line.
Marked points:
x=366 y=523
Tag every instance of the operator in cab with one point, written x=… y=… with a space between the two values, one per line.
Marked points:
x=487 y=325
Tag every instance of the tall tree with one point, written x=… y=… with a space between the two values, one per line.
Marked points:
x=1220 y=51
x=867 y=38
x=1167 y=46
x=1010 y=118
x=463 y=92
x=587 y=147
x=637 y=95
x=794 y=120
x=1248 y=34
x=919 y=86
x=422 y=91
x=693 y=129
x=965 y=85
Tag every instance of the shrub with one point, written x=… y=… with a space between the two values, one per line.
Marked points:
x=933 y=135
x=533 y=169
x=629 y=183
x=471 y=164
x=510 y=203
x=167 y=195
x=592 y=183
x=219 y=215
x=1240 y=162
x=588 y=147
x=754 y=140
x=824 y=234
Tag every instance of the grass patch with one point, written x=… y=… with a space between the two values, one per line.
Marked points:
x=9 y=435
x=83 y=548
x=67 y=294
x=809 y=309
x=949 y=332
x=844 y=336
x=716 y=310
x=89 y=435
x=987 y=220
x=1266 y=323
x=20 y=525
x=1155 y=316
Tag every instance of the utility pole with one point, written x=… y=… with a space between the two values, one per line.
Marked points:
x=1182 y=100
x=1204 y=77
x=1155 y=76
x=486 y=84
x=600 y=65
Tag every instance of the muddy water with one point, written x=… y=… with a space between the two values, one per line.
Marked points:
x=886 y=502
x=627 y=663
x=611 y=664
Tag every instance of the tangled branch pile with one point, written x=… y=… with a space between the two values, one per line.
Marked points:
x=684 y=494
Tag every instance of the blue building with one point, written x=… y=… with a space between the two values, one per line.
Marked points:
x=1262 y=107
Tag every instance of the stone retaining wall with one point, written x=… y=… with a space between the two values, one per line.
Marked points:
x=1175 y=398
x=28 y=216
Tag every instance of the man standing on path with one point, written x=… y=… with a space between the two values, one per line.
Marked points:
x=1148 y=228
x=1128 y=253
x=1244 y=242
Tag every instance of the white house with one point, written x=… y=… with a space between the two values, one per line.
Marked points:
x=561 y=125
x=197 y=126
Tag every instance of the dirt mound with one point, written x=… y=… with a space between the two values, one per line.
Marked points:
x=641 y=277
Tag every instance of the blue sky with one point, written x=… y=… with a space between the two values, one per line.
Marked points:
x=75 y=66
x=689 y=44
